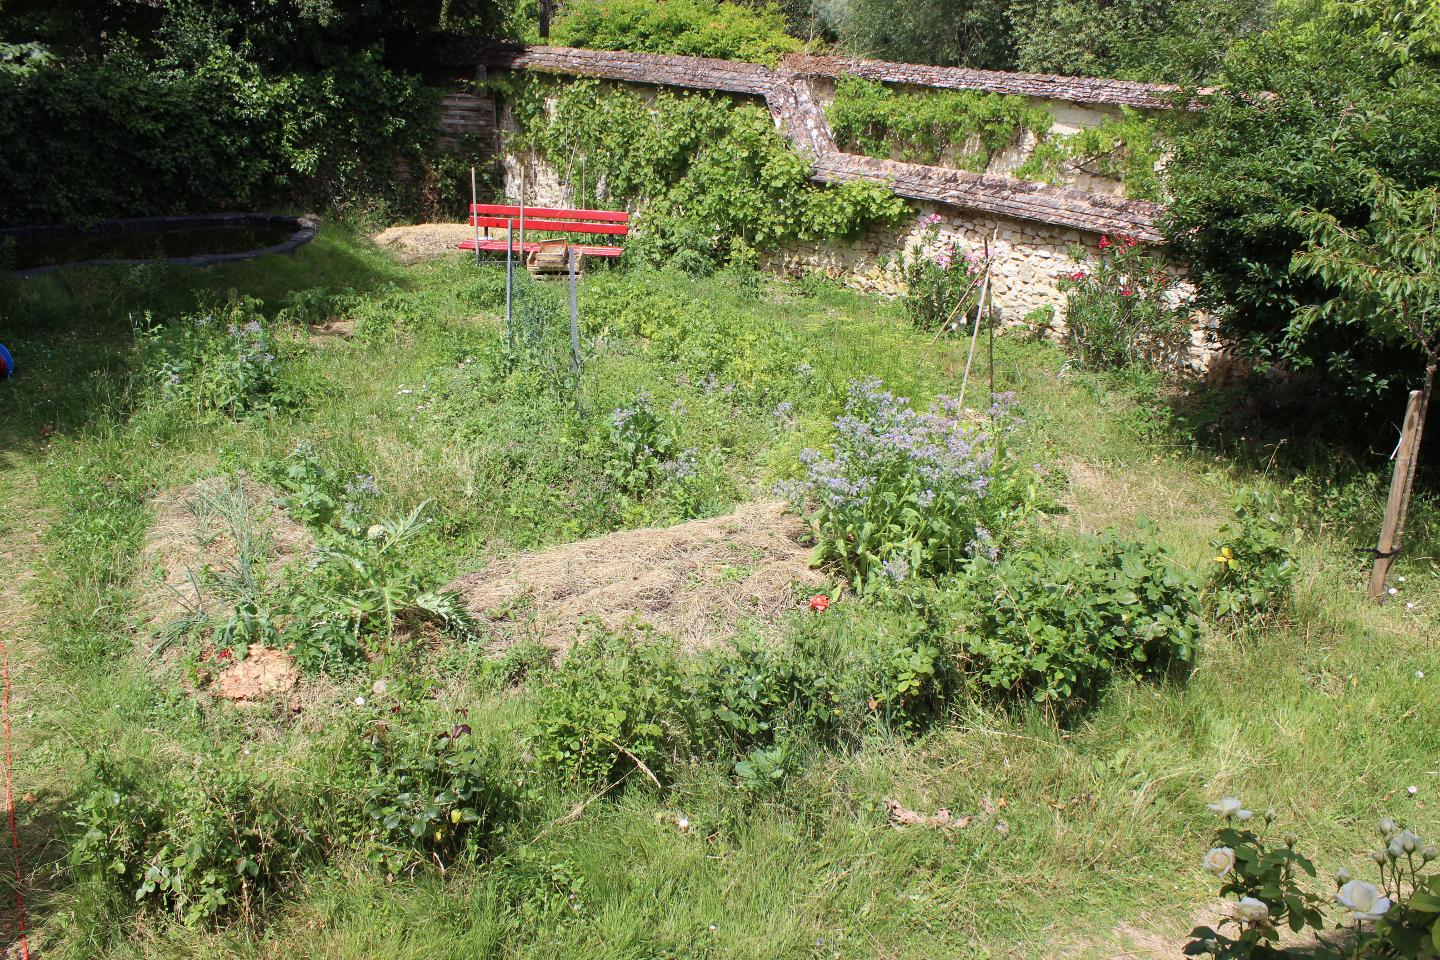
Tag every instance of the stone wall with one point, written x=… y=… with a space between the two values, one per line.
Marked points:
x=1033 y=226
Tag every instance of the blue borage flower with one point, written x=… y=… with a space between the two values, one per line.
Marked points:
x=903 y=490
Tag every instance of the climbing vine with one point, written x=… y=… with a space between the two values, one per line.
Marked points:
x=926 y=127
x=713 y=179
x=1122 y=148
x=965 y=129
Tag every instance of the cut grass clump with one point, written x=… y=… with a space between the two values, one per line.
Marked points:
x=697 y=582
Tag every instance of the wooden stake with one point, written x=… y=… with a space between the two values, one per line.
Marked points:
x=1392 y=532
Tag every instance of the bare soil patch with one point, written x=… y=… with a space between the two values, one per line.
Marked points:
x=694 y=581
x=263 y=674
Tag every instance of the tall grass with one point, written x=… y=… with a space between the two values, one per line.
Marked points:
x=1323 y=714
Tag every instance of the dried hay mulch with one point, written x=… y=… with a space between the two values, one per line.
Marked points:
x=414 y=243
x=694 y=581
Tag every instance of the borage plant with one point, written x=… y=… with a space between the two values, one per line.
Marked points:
x=907 y=493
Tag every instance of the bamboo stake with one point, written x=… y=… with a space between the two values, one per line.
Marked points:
x=979 y=309
x=1392 y=531
x=975 y=333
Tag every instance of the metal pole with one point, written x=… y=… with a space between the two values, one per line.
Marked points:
x=574 y=311
x=509 y=281
x=574 y=324
x=474 y=199
x=522 y=211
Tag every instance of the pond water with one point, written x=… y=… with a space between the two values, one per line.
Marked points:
x=172 y=243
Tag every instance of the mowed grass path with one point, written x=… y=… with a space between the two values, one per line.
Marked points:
x=1326 y=716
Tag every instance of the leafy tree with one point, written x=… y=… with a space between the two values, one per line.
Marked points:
x=1305 y=118
x=1385 y=276
x=971 y=33
x=1178 y=41
x=699 y=28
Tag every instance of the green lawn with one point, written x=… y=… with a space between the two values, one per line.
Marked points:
x=1323 y=713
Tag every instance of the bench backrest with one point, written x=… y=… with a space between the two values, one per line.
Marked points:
x=557 y=219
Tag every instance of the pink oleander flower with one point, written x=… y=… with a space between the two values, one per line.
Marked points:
x=933 y=219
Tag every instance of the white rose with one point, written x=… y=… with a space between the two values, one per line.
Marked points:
x=1363 y=900
x=1227 y=807
x=1251 y=910
x=1220 y=861
x=1404 y=843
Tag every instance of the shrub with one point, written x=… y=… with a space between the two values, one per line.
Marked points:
x=1122 y=310
x=224 y=362
x=440 y=799
x=1263 y=877
x=614 y=706
x=1254 y=560
x=1293 y=126
x=207 y=130
x=205 y=843
x=906 y=493
x=696 y=28
x=838 y=676
x=940 y=288
x=717 y=181
x=1055 y=623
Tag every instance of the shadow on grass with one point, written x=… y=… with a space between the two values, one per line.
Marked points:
x=71 y=332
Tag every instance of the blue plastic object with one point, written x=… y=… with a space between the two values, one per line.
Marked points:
x=7 y=363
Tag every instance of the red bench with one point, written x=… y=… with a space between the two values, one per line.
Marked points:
x=548 y=220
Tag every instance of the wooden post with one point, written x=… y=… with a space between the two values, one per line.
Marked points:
x=1392 y=532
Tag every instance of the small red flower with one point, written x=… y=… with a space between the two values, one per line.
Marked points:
x=1078 y=275
x=1105 y=243
x=1126 y=292
x=819 y=603
x=1130 y=241
x=223 y=655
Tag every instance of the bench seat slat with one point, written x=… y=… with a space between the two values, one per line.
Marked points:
x=499 y=246
x=557 y=226
x=504 y=210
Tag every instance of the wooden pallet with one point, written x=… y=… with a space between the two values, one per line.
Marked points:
x=550 y=259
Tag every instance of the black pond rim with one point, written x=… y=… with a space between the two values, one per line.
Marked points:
x=303 y=230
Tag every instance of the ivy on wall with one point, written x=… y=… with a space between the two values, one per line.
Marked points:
x=1124 y=148
x=965 y=129
x=714 y=180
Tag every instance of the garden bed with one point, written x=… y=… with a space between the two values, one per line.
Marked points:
x=695 y=581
